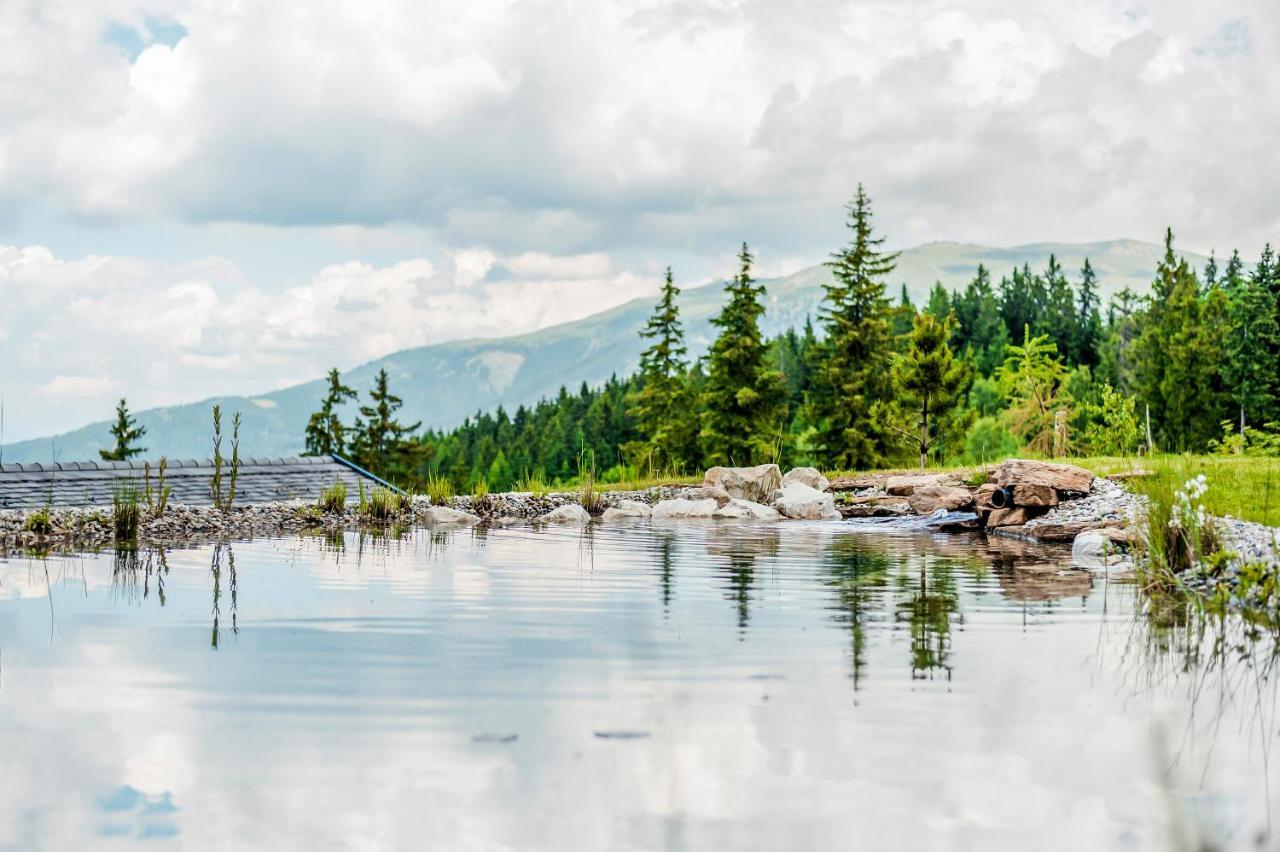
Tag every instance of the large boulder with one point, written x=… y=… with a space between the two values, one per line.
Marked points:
x=929 y=499
x=682 y=508
x=746 y=510
x=444 y=516
x=801 y=502
x=905 y=485
x=627 y=509
x=810 y=476
x=569 y=513
x=756 y=484
x=1026 y=472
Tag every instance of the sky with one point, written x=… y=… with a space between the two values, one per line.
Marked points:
x=202 y=198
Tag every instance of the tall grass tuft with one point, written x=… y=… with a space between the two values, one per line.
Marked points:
x=589 y=496
x=532 y=483
x=1179 y=534
x=383 y=504
x=333 y=498
x=439 y=488
x=126 y=513
x=481 y=488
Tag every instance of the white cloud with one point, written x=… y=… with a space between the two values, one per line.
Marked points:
x=87 y=330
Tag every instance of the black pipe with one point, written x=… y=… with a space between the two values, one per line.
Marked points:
x=1002 y=498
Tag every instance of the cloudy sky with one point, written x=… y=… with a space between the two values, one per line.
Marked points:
x=213 y=197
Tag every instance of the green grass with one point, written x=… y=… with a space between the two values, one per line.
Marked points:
x=1244 y=487
x=439 y=489
x=126 y=513
x=39 y=522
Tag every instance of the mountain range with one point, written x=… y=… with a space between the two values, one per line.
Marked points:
x=443 y=383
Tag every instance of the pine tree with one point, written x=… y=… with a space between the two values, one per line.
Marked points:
x=326 y=433
x=929 y=378
x=981 y=328
x=742 y=400
x=850 y=365
x=126 y=431
x=382 y=444
x=1057 y=317
x=661 y=406
x=902 y=316
x=1211 y=272
x=939 y=304
x=1088 y=321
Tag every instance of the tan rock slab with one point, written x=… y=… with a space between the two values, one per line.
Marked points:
x=1034 y=494
x=1060 y=477
x=905 y=484
x=931 y=498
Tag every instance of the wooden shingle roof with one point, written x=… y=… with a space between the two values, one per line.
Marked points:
x=260 y=480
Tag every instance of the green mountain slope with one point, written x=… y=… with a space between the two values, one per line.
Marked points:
x=443 y=383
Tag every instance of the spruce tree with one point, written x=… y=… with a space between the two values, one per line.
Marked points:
x=383 y=444
x=1179 y=356
x=1057 y=317
x=326 y=433
x=850 y=365
x=126 y=431
x=742 y=399
x=929 y=379
x=660 y=406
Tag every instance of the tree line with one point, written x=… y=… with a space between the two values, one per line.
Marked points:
x=1033 y=362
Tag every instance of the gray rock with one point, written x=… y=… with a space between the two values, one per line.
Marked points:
x=682 y=508
x=569 y=513
x=627 y=510
x=1096 y=551
x=809 y=476
x=443 y=515
x=746 y=510
x=800 y=502
x=742 y=483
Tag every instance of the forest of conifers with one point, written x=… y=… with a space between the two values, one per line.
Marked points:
x=1031 y=363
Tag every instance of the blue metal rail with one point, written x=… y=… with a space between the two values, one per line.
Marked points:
x=358 y=469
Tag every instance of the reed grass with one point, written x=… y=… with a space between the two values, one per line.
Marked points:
x=438 y=488
x=126 y=513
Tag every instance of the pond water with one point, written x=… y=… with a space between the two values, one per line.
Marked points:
x=698 y=686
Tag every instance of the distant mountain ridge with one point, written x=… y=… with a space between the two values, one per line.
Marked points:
x=443 y=383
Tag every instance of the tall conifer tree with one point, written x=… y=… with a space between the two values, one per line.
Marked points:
x=850 y=366
x=1088 y=321
x=126 y=431
x=743 y=395
x=660 y=406
x=326 y=432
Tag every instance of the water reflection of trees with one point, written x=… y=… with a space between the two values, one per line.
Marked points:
x=931 y=604
x=741 y=546
x=858 y=573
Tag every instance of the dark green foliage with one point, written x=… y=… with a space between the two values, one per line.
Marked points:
x=1087 y=321
x=542 y=443
x=382 y=443
x=742 y=403
x=981 y=329
x=661 y=405
x=1179 y=356
x=929 y=379
x=126 y=431
x=326 y=433
x=849 y=367
x=1251 y=371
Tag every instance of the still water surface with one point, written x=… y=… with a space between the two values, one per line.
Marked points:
x=698 y=686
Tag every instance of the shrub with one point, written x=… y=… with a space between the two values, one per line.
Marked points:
x=39 y=522
x=1113 y=429
x=989 y=440
x=333 y=498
